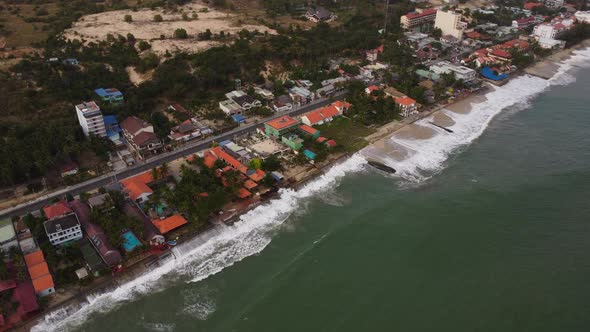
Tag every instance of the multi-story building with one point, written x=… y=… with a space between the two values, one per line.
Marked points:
x=450 y=23
x=461 y=72
x=420 y=20
x=140 y=136
x=90 y=119
x=583 y=16
x=63 y=229
x=548 y=33
x=280 y=126
x=406 y=105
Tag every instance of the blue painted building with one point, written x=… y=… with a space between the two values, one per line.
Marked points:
x=110 y=95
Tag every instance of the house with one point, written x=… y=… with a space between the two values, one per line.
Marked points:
x=230 y=107
x=393 y=92
x=309 y=131
x=321 y=116
x=461 y=72
x=99 y=201
x=523 y=23
x=293 y=141
x=369 y=90
x=419 y=20
x=63 y=230
x=309 y=154
x=136 y=187
x=113 y=130
x=548 y=33
x=93 y=261
x=68 y=169
x=282 y=104
x=531 y=5
x=280 y=126
x=500 y=55
x=407 y=105
x=25 y=238
x=319 y=14
x=140 y=136
x=341 y=106
x=90 y=119
x=265 y=94
x=243 y=100
x=71 y=62
x=185 y=131
x=7 y=235
x=56 y=210
x=582 y=16
x=151 y=233
x=553 y=3
x=98 y=239
x=39 y=272
x=372 y=55
x=111 y=95
x=171 y=223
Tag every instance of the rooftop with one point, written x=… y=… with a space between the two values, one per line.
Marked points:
x=61 y=223
x=282 y=122
x=110 y=92
x=170 y=223
x=405 y=101
x=88 y=107
x=56 y=210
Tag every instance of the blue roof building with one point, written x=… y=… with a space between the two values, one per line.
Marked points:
x=309 y=154
x=238 y=118
x=112 y=127
x=111 y=95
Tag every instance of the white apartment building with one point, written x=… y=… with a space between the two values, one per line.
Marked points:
x=547 y=34
x=63 y=229
x=450 y=24
x=461 y=72
x=90 y=119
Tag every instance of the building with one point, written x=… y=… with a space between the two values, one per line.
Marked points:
x=319 y=14
x=523 y=23
x=553 y=3
x=407 y=105
x=280 y=126
x=547 y=33
x=169 y=224
x=7 y=235
x=111 y=95
x=56 y=210
x=450 y=23
x=140 y=137
x=136 y=187
x=293 y=141
x=265 y=94
x=25 y=238
x=420 y=20
x=461 y=72
x=230 y=107
x=243 y=100
x=98 y=239
x=185 y=131
x=63 y=230
x=39 y=272
x=90 y=119
x=583 y=16
x=68 y=169
x=23 y=301
x=309 y=131
x=100 y=201
x=322 y=115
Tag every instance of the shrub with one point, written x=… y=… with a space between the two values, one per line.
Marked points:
x=180 y=34
x=128 y=18
x=158 y=18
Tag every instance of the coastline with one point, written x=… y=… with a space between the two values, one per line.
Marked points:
x=407 y=129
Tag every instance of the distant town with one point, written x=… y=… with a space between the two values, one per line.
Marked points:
x=149 y=165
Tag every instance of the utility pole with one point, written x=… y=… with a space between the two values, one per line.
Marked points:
x=386 y=16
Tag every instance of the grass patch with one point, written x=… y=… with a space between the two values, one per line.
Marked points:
x=347 y=133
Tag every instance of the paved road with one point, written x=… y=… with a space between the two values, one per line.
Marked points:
x=150 y=163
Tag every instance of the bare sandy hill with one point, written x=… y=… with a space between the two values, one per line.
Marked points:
x=97 y=26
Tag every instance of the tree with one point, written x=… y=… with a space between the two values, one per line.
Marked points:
x=143 y=45
x=180 y=34
x=185 y=17
x=270 y=164
x=128 y=18
x=255 y=163
x=436 y=33
x=158 y=18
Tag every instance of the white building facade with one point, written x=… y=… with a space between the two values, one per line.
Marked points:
x=450 y=24
x=90 y=119
x=461 y=72
x=63 y=229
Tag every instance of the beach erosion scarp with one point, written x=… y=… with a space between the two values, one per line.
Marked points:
x=416 y=151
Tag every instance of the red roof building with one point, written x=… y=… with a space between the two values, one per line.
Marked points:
x=58 y=209
x=531 y=5
x=170 y=223
x=137 y=186
x=39 y=272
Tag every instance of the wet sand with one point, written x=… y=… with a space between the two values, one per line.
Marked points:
x=549 y=66
x=415 y=131
x=464 y=106
x=442 y=119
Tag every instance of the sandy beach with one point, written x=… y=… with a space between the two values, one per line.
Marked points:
x=549 y=66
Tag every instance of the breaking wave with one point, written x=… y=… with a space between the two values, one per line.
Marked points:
x=223 y=246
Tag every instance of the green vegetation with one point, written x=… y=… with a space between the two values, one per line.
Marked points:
x=180 y=34
x=128 y=18
x=347 y=133
x=158 y=18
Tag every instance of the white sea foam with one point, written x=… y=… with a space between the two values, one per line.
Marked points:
x=222 y=247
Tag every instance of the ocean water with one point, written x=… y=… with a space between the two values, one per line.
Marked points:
x=485 y=229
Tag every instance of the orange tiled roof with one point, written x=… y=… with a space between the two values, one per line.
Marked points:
x=405 y=101
x=308 y=129
x=282 y=122
x=138 y=185
x=244 y=193
x=38 y=270
x=258 y=175
x=43 y=283
x=233 y=162
x=249 y=184
x=56 y=210
x=34 y=258
x=170 y=223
